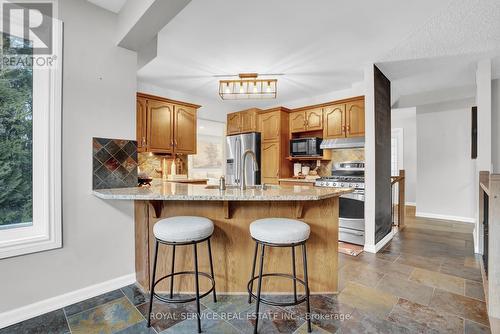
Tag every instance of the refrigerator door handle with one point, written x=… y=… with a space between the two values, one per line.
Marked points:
x=237 y=160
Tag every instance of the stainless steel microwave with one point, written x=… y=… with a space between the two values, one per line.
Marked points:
x=300 y=147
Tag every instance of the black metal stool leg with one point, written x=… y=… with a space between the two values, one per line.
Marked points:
x=172 y=271
x=152 y=290
x=294 y=275
x=306 y=280
x=253 y=272
x=259 y=287
x=211 y=267
x=197 y=288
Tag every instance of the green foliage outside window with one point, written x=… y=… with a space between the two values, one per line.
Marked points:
x=16 y=142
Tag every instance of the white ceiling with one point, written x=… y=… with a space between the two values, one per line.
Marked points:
x=112 y=5
x=320 y=46
x=323 y=46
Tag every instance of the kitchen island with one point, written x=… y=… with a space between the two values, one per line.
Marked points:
x=232 y=210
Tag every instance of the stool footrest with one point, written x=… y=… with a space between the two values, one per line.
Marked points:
x=273 y=303
x=184 y=300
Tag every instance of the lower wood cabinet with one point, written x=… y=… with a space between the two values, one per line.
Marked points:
x=270 y=161
x=274 y=130
x=165 y=126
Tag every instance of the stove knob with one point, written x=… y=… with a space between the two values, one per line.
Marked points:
x=334 y=184
x=352 y=185
x=342 y=185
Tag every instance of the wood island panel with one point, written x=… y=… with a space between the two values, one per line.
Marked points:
x=232 y=246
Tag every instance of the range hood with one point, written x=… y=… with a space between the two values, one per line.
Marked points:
x=343 y=143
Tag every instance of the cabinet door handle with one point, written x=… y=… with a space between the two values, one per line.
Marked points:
x=172 y=142
x=348 y=128
x=175 y=142
x=343 y=128
x=143 y=144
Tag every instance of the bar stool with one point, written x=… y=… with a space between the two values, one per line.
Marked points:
x=279 y=232
x=182 y=231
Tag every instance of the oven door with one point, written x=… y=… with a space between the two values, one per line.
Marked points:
x=299 y=147
x=352 y=211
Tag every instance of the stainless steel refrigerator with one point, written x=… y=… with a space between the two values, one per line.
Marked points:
x=235 y=148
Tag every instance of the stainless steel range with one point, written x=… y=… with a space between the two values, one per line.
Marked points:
x=349 y=174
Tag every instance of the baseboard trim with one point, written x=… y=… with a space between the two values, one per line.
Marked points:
x=380 y=244
x=445 y=217
x=51 y=304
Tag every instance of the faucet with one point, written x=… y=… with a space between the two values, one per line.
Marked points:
x=243 y=184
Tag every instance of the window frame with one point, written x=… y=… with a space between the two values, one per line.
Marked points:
x=45 y=232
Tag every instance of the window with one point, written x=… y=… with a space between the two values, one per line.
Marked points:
x=30 y=144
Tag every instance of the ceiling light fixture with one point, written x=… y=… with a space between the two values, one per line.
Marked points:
x=248 y=87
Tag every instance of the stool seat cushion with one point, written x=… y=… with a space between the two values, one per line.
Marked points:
x=279 y=230
x=183 y=229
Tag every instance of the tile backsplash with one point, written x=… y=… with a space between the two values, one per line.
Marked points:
x=338 y=155
x=114 y=163
x=151 y=164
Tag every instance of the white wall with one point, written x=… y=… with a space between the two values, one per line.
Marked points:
x=406 y=119
x=495 y=122
x=99 y=86
x=445 y=171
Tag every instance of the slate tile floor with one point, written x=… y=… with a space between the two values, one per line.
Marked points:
x=427 y=280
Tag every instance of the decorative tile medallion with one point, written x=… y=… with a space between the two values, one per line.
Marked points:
x=114 y=163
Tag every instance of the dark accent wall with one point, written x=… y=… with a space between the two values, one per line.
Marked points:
x=114 y=163
x=383 y=219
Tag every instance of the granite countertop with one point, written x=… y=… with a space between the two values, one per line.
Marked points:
x=197 y=192
x=292 y=179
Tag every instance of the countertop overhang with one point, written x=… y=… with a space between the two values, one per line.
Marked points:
x=191 y=192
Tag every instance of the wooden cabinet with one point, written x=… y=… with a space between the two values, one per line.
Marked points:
x=306 y=120
x=273 y=125
x=298 y=122
x=334 y=121
x=185 y=130
x=344 y=120
x=242 y=121
x=270 y=161
x=355 y=118
x=270 y=126
x=160 y=131
x=314 y=119
x=233 y=123
x=141 y=121
x=165 y=126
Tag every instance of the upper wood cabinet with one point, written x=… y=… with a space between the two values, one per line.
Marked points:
x=344 y=120
x=141 y=121
x=306 y=120
x=233 y=123
x=334 y=117
x=297 y=122
x=314 y=119
x=242 y=121
x=355 y=122
x=185 y=130
x=165 y=126
x=160 y=131
x=270 y=126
